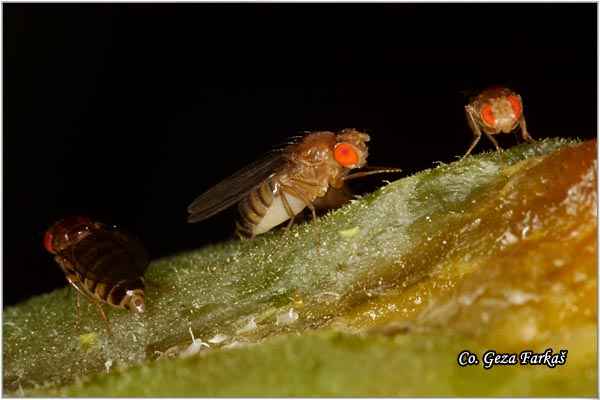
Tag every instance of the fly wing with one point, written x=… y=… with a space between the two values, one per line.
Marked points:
x=235 y=187
x=110 y=255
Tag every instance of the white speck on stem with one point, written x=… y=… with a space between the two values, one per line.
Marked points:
x=287 y=318
x=507 y=238
x=250 y=326
x=218 y=338
x=195 y=347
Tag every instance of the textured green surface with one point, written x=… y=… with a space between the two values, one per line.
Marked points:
x=337 y=365
x=396 y=272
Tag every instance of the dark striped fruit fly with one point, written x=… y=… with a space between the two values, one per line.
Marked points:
x=495 y=110
x=280 y=184
x=102 y=262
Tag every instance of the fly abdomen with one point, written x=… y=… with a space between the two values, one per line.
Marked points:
x=128 y=294
x=264 y=209
x=100 y=290
x=253 y=208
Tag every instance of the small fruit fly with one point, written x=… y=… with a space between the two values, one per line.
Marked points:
x=495 y=110
x=280 y=184
x=101 y=262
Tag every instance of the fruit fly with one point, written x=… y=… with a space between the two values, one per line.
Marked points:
x=280 y=184
x=495 y=110
x=103 y=263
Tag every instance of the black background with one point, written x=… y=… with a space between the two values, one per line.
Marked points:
x=127 y=112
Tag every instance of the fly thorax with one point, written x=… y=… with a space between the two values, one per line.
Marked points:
x=504 y=115
x=314 y=181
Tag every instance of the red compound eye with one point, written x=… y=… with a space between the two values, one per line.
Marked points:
x=516 y=105
x=487 y=115
x=345 y=154
x=48 y=242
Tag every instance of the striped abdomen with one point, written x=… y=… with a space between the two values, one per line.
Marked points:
x=263 y=209
x=127 y=294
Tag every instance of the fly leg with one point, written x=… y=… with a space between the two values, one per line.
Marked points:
x=78 y=311
x=495 y=143
x=73 y=279
x=526 y=136
x=76 y=283
x=290 y=213
x=301 y=194
x=474 y=128
x=292 y=191
x=313 y=210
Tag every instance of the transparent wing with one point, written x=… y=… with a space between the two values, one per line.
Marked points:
x=110 y=255
x=235 y=187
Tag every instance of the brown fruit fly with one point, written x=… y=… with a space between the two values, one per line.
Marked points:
x=280 y=184
x=103 y=263
x=495 y=110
